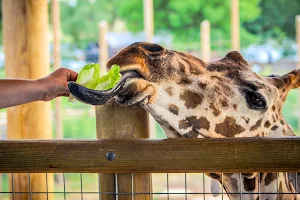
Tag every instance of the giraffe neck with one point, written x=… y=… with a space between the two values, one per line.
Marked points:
x=262 y=186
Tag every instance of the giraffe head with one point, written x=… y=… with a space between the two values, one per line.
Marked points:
x=191 y=98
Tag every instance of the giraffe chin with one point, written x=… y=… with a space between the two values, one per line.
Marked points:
x=136 y=92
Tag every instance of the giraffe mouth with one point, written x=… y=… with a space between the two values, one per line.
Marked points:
x=100 y=97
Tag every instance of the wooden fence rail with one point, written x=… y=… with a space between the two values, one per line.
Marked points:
x=144 y=155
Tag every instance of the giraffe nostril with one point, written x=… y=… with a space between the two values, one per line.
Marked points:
x=152 y=47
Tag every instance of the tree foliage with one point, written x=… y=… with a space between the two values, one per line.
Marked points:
x=260 y=19
x=277 y=19
x=80 y=19
x=183 y=18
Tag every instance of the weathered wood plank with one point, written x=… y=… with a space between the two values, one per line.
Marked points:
x=142 y=155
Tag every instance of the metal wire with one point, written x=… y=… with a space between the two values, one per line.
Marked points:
x=168 y=190
x=277 y=185
x=172 y=187
x=258 y=185
x=99 y=186
x=116 y=186
x=64 y=180
x=203 y=187
x=81 y=186
x=13 y=186
x=29 y=185
x=185 y=186
x=47 y=186
x=240 y=180
x=222 y=184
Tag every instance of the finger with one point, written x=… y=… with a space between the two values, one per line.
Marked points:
x=71 y=75
x=63 y=95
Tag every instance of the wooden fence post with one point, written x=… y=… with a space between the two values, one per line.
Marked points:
x=205 y=40
x=235 y=25
x=26 y=47
x=113 y=121
x=297 y=19
x=103 y=46
x=148 y=20
x=55 y=8
x=298 y=40
x=149 y=32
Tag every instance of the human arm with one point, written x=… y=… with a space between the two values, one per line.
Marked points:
x=20 y=91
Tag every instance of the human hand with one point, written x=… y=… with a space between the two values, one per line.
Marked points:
x=56 y=84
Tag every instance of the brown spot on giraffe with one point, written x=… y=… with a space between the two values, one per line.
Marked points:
x=224 y=103
x=202 y=85
x=204 y=123
x=181 y=67
x=191 y=134
x=192 y=99
x=229 y=128
x=234 y=106
x=284 y=132
x=184 y=81
x=201 y=123
x=183 y=124
x=274 y=119
x=192 y=120
x=267 y=124
x=173 y=109
x=269 y=178
x=216 y=111
x=169 y=91
x=249 y=183
x=274 y=128
x=258 y=123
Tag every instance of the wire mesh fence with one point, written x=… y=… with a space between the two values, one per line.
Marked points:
x=165 y=186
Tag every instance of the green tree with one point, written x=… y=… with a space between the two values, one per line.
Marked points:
x=80 y=19
x=277 y=19
x=182 y=18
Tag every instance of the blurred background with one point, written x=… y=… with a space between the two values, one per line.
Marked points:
x=267 y=41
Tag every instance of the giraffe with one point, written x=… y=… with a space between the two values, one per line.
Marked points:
x=190 y=98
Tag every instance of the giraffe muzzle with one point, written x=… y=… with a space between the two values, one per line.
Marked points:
x=99 y=97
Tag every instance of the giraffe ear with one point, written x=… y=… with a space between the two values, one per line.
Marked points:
x=236 y=57
x=289 y=81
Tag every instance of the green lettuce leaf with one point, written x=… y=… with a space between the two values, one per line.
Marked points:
x=89 y=76
x=109 y=80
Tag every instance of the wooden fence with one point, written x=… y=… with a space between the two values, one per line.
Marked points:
x=150 y=156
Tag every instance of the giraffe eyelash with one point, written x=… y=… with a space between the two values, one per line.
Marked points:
x=255 y=100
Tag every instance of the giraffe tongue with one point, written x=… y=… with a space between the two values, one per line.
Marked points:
x=99 y=97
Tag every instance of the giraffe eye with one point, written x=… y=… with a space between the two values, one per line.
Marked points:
x=255 y=100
